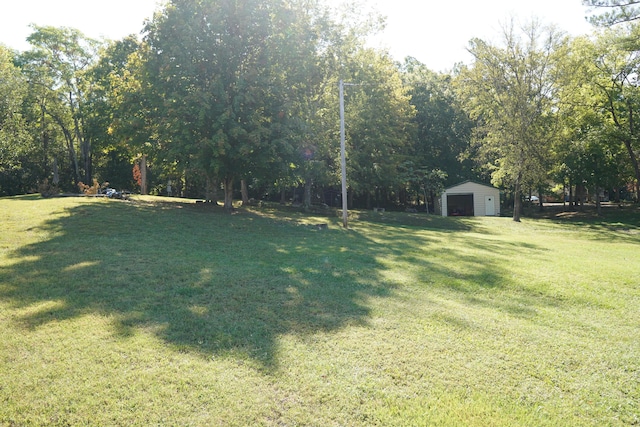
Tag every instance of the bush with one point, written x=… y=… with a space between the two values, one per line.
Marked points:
x=93 y=189
x=47 y=189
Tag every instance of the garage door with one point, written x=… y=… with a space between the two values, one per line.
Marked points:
x=460 y=205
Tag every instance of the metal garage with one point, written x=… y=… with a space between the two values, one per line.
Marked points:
x=470 y=198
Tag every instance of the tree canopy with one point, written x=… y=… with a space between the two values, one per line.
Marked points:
x=613 y=12
x=510 y=91
x=243 y=97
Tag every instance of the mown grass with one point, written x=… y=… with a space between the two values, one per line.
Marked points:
x=164 y=312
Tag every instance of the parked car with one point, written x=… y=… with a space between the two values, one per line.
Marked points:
x=533 y=199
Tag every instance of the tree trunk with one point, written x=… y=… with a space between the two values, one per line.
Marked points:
x=56 y=175
x=143 y=175
x=45 y=140
x=306 y=199
x=517 y=202
x=580 y=195
x=70 y=148
x=636 y=168
x=283 y=196
x=228 y=194
x=72 y=153
x=244 y=191
x=572 y=197
x=426 y=201
x=85 y=144
x=211 y=191
x=540 y=204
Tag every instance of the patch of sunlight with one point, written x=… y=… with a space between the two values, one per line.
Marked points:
x=296 y=275
x=81 y=265
x=398 y=276
x=199 y=310
x=296 y=297
x=392 y=274
x=4 y=262
x=43 y=307
x=206 y=275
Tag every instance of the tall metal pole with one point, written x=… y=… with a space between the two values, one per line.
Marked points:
x=343 y=157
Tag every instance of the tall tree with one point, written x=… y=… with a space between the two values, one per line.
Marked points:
x=605 y=78
x=311 y=123
x=613 y=12
x=510 y=91
x=118 y=125
x=220 y=69
x=15 y=141
x=379 y=117
x=57 y=63
x=443 y=128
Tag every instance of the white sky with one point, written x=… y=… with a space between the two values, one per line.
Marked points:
x=436 y=32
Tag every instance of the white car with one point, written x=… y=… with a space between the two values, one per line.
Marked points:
x=533 y=199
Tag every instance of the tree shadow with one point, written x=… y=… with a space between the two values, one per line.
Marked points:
x=220 y=285
x=617 y=223
x=469 y=269
x=203 y=282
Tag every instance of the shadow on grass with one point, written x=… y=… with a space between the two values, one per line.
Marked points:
x=201 y=281
x=218 y=284
x=619 y=222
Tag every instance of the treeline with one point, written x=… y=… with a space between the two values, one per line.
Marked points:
x=226 y=99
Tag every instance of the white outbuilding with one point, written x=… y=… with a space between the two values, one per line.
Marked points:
x=470 y=199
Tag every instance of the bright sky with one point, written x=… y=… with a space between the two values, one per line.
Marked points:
x=436 y=32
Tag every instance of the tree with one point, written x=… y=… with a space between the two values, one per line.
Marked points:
x=57 y=65
x=221 y=70
x=337 y=52
x=379 y=121
x=510 y=92
x=306 y=69
x=313 y=124
x=116 y=113
x=424 y=181
x=609 y=83
x=15 y=142
x=588 y=152
x=443 y=129
x=614 y=11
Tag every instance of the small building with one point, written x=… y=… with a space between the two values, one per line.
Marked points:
x=470 y=199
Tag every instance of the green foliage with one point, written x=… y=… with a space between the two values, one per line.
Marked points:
x=224 y=70
x=57 y=66
x=612 y=12
x=601 y=94
x=443 y=129
x=378 y=121
x=510 y=90
x=111 y=126
x=15 y=147
x=220 y=92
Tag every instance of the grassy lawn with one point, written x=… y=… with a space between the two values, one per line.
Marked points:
x=167 y=312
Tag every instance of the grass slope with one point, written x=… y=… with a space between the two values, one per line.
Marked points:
x=157 y=312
